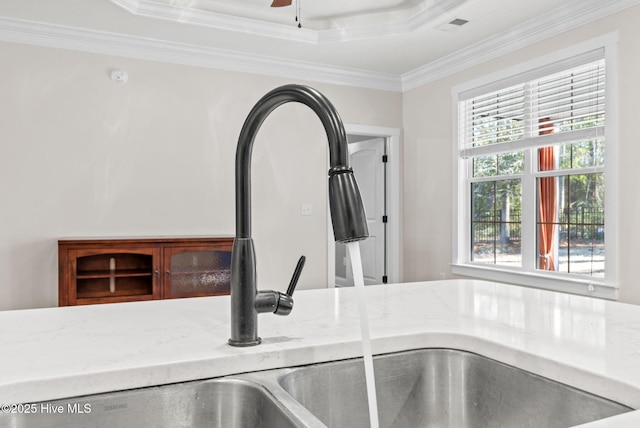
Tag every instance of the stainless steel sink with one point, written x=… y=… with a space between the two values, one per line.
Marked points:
x=424 y=388
x=223 y=403
x=442 y=388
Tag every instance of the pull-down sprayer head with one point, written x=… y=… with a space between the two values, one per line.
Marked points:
x=347 y=212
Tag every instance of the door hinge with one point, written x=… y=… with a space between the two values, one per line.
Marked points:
x=384 y=218
x=385 y=279
x=385 y=158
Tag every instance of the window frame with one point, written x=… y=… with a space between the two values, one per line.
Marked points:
x=527 y=275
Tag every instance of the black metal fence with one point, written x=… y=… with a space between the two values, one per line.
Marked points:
x=581 y=223
x=492 y=226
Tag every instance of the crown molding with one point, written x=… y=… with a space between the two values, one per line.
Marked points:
x=83 y=40
x=221 y=21
x=550 y=24
x=557 y=21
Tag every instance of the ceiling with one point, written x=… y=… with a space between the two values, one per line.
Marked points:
x=386 y=37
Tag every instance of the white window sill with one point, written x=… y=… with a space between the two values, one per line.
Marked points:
x=586 y=287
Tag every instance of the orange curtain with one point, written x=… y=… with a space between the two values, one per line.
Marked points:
x=547 y=202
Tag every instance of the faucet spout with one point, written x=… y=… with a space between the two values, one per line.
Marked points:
x=347 y=211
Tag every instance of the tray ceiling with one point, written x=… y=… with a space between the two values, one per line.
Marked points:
x=385 y=40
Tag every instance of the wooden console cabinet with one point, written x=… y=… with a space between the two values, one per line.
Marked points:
x=113 y=270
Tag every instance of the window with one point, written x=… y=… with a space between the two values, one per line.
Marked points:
x=531 y=151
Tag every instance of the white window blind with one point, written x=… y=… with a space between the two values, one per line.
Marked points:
x=565 y=106
x=571 y=100
x=494 y=118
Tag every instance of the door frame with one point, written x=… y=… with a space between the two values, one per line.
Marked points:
x=394 y=224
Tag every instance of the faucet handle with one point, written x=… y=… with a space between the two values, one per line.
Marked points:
x=284 y=301
x=296 y=275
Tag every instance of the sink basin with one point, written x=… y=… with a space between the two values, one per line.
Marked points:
x=221 y=403
x=423 y=388
x=441 y=388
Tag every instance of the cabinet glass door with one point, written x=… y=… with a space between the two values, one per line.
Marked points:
x=197 y=271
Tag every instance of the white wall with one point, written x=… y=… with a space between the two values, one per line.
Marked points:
x=428 y=156
x=83 y=156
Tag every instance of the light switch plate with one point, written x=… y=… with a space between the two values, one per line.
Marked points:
x=306 y=209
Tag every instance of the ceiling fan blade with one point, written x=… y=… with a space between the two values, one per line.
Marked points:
x=280 y=3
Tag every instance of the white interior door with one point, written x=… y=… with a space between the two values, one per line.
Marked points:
x=366 y=159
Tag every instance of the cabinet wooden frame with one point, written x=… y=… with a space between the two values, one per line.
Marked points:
x=111 y=270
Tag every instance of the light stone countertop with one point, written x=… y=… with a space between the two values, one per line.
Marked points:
x=57 y=353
